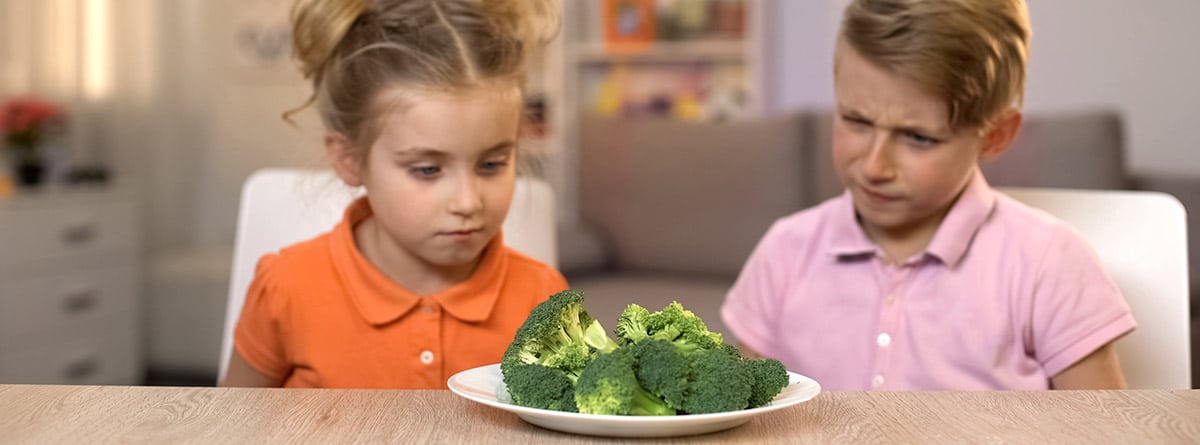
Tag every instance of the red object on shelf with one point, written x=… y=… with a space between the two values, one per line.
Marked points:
x=628 y=24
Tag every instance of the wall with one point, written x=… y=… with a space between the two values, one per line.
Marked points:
x=1137 y=57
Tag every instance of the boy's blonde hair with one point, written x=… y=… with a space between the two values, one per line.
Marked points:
x=971 y=53
x=354 y=50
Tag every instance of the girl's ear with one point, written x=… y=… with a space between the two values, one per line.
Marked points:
x=341 y=157
x=1000 y=135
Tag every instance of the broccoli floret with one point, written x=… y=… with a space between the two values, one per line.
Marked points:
x=718 y=382
x=673 y=323
x=541 y=387
x=609 y=385
x=559 y=336
x=631 y=325
x=770 y=377
x=662 y=370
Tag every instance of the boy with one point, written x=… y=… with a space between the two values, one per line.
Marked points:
x=920 y=276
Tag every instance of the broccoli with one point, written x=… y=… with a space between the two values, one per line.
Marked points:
x=550 y=350
x=673 y=323
x=770 y=377
x=662 y=370
x=717 y=382
x=609 y=385
x=541 y=387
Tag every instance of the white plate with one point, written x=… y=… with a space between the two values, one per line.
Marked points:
x=485 y=383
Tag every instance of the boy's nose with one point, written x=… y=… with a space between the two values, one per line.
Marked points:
x=878 y=165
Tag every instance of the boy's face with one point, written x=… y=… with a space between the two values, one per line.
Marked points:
x=894 y=150
x=441 y=174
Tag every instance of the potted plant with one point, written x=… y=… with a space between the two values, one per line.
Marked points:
x=27 y=123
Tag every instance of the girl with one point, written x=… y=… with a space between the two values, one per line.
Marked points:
x=421 y=101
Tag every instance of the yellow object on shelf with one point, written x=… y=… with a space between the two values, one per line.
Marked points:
x=687 y=108
x=6 y=186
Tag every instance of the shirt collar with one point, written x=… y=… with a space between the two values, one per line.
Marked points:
x=966 y=216
x=949 y=243
x=381 y=301
x=847 y=237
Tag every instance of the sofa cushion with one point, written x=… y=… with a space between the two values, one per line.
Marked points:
x=1071 y=149
x=685 y=197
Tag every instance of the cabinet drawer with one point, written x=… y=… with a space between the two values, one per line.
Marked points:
x=39 y=234
x=43 y=304
x=104 y=359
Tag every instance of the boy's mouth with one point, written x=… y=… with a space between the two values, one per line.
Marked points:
x=878 y=197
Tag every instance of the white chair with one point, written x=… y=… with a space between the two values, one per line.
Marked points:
x=280 y=207
x=1141 y=237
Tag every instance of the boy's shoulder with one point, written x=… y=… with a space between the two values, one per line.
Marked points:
x=1033 y=225
x=812 y=224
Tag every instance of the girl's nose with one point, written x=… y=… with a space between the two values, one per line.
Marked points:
x=468 y=198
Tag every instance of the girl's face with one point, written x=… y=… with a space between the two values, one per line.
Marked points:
x=894 y=150
x=440 y=176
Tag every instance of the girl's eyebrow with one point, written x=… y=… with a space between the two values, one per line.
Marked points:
x=418 y=151
x=502 y=146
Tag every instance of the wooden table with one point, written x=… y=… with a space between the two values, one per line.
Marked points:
x=107 y=414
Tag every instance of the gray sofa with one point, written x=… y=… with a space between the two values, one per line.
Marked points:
x=670 y=210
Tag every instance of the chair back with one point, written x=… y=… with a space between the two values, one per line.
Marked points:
x=280 y=207
x=1141 y=237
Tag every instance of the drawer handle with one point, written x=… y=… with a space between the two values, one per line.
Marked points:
x=81 y=301
x=82 y=368
x=78 y=234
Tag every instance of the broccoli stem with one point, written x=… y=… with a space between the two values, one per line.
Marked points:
x=647 y=404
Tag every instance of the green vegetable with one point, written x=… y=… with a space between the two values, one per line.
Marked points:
x=609 y=385
x=550 y=350
x=662 y=363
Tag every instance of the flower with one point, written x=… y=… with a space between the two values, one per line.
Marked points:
x=25 y=121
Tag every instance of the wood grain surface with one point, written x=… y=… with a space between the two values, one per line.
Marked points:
x=119 y=414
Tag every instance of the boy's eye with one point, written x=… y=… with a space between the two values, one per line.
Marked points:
x=855 y=120
x=921 y=139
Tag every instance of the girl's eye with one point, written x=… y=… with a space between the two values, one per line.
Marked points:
x=493 y=166
x=425 y=171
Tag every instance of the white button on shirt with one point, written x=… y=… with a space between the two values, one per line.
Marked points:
x=426 y=357
x=877 y=381
x=884 y=339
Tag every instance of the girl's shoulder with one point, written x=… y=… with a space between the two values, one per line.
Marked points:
x=303 y=259
x=526 y=268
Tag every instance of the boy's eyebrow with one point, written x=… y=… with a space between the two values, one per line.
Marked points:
x=909 y=128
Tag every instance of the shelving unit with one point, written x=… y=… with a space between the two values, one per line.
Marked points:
x=577 y=64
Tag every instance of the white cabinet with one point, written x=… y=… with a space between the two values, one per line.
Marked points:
x=69 y=288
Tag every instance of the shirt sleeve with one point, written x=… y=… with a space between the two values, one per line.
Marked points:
x=1077 y=307
x=258 y=336
x=748 y=310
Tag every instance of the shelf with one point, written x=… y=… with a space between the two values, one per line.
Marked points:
x=682 y=51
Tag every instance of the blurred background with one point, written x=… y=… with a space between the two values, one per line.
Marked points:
x=116 y=235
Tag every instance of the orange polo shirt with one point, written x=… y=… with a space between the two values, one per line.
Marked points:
x=319 y=315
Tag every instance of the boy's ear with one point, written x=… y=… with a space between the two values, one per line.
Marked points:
x=1001 y=134
x=341 y=157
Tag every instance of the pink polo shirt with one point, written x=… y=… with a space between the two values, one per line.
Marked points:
x=1004 y=297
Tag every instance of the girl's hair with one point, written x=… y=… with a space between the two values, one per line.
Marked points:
x=353 y=50
x=971 y=53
